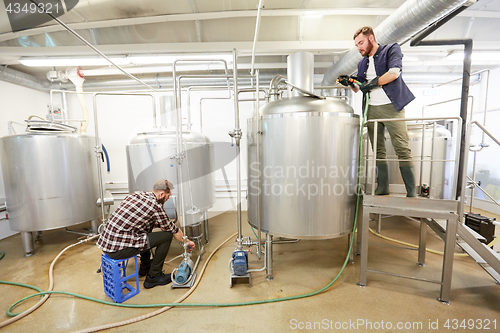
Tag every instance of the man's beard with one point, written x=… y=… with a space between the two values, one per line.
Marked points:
x=368 y=49
x=161 y=201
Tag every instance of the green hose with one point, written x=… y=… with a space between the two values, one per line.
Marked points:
x=2 y=254
x=10 y=314
x=274 y=300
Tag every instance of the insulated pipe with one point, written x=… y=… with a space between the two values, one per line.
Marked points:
x=26 y=80
x=433 y=27
x=408 y=19
x=467 y=43
x=83 y=40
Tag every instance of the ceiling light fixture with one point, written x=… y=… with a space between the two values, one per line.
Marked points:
x=477 y=56
x=140 y=59
x=71 y=61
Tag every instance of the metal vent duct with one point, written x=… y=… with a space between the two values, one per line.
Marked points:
x=407 y=20
x=30 y=81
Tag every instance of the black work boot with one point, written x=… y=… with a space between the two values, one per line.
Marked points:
x=159 y=280
x=382 y=179
x=408 y=174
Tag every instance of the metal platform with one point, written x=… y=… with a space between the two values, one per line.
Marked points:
x=425 y=209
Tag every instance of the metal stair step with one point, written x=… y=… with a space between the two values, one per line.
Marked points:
x=469 y=243
x=475 y=234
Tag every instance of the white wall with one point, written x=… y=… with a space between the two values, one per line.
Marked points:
x=120 y=117
x=17 y=104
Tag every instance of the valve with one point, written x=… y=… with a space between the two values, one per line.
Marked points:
x=425 y=191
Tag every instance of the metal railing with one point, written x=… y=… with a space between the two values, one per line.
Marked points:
x=371 y=161
x=471 y=180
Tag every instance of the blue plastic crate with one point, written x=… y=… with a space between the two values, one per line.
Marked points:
x=114 y=277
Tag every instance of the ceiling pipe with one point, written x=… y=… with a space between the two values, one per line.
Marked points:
x=256 y=36
x=26 y=80
x=83 y=40
x=412 y=17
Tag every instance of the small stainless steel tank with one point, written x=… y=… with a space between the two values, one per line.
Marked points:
x=149 y=158
x=50 y=179
x=303 y=169
x=443 y=149
x=440 y=179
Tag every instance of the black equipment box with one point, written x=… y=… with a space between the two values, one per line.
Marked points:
x=482 y=225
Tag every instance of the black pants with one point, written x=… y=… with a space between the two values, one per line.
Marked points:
x=161 y=240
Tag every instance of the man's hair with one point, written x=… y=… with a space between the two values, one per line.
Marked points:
x=163 y=185
x=367 y=31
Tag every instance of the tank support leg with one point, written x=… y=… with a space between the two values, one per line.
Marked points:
x=351 y=255
x=205 y=227
x=94 y=227
x=269 y=257
x=28 y=245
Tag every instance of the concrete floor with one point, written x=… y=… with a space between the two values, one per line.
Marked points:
x=299 y=268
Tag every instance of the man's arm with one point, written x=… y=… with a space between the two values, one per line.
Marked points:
x=179 y=235
x=388 y=77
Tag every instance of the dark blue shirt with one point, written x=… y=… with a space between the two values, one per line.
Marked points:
x=388 y=56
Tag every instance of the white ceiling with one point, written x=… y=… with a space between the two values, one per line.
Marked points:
x=129 y=27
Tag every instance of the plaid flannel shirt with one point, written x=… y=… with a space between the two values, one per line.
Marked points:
x=131 y=222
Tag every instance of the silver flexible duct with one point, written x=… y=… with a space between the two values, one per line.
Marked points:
x=30 y=81
x=407 y=20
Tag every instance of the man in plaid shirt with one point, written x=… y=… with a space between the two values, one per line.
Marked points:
x=129 y=232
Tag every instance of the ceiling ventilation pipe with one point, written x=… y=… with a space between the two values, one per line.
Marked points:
x=407 y=20
x=26 y=80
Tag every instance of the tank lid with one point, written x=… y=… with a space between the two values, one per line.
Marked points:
x=38 y=126
x=306 y=104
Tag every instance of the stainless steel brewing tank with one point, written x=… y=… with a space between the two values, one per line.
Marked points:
x=149 y=158
x=441 y=178
x=304 y=171
x=50 y=180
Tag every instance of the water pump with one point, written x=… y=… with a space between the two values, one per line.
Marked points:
x=240 y=262
x=184 y=271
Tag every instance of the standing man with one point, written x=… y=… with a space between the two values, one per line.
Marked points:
x=129 y=232
x=380 y=74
